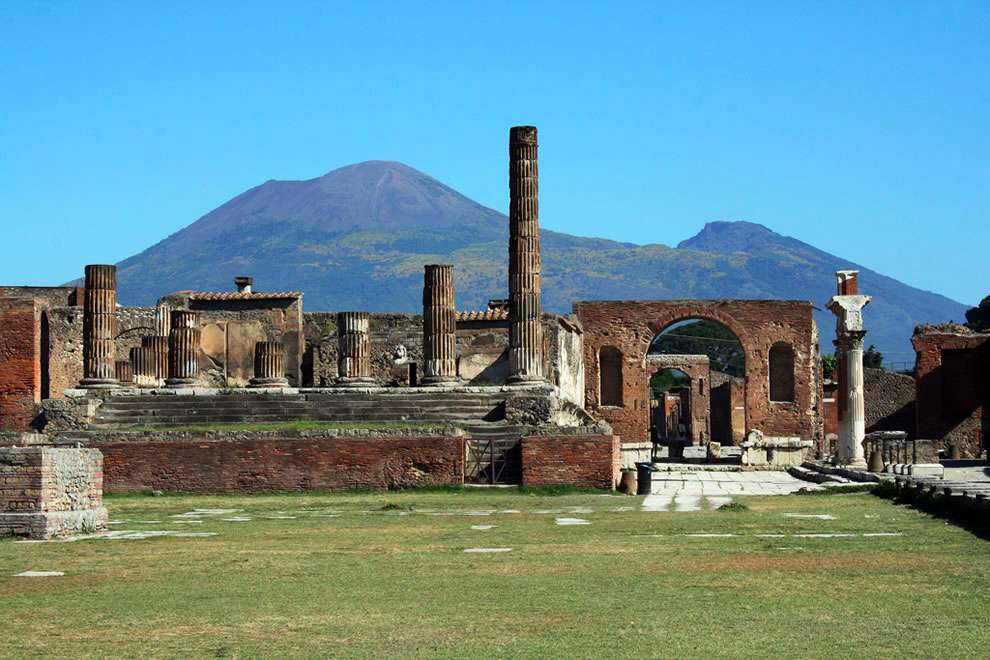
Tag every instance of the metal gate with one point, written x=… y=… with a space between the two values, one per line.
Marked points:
x=493 y=460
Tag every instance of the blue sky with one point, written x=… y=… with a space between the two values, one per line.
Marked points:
x=861 y=128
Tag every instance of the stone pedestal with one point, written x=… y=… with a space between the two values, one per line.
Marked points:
x=157 y=347
x=848 y=306
x=48 y=492
x=439 y=326
x=183 y=349
x=99 y=322
x=353 y=350
x=525 y=329
x=269 y=365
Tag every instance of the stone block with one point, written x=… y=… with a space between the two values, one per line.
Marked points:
x=51 y=491
x=926 y=470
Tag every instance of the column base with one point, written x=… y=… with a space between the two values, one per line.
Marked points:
x=178 y=383
x=525 y=380
x=451 y=381
x=98 y=383
x=268 y=382
x=355 y=382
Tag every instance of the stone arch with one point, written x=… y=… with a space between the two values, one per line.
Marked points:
x=691 y=313
x=780 y=372
x=609 y=376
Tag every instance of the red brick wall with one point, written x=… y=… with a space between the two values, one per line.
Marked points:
x=938 y=416
x=631 y=326
x=248 y=463
x=577 y=460
x=20 y=362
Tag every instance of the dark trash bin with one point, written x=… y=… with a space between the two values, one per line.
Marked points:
x=644 y=478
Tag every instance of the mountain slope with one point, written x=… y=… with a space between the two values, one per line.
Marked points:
x=357 y=238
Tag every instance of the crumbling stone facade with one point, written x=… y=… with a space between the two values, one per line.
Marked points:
x=952 y=372
x=591 y=461
x=631 y=326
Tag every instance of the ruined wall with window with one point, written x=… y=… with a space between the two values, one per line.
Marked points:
x=631 y=326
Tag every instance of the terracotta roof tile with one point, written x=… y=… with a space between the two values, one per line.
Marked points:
x=484 y=315
x=240 y=295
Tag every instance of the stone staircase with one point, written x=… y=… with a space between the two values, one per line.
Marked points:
x=157 y=411
x=492 y=451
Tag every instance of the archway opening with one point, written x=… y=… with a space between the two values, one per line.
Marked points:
x=670 y=406
x=712 y=358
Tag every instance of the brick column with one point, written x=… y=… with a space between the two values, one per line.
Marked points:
x=353 y=350
x=439 y=326
x=158 y=355
x=183 y=349
x=269 y=365
x=525 y=329
x=99 y=308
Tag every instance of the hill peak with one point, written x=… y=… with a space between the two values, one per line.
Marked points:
x=727 y=236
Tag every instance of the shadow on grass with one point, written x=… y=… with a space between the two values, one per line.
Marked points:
x=938 y=506
x=510 y=490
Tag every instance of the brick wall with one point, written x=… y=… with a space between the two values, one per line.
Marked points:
x=20 y=362
x=889 y=398
x=575 y=460
x=257 y=462
x=951 y=396
x=631 y=326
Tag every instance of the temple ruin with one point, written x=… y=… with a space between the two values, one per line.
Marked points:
x=508 y=394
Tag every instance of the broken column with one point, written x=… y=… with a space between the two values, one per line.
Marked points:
x=353 y=350
x=123 y=372
x=525 y=329
x=157 y=347
x=183 y=349
x=99 y=307
x=439 y=326
x=847 y=305
x=163 y=320
x=143 y=366
x=269 y=365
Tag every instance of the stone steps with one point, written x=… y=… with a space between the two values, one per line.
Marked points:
x=161 y=411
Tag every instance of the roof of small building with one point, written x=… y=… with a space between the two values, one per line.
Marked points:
x=484 y=315
x=238 y=295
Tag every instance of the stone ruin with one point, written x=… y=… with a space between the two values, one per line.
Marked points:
x=509 y=394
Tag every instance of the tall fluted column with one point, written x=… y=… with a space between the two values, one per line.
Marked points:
x=353 y=350
x=143 y=366
x=269 y=365
x=157 y=371
x=439 y=326
x=99 y=307
x=183 y=349
x=847 y=305
x=525 y=329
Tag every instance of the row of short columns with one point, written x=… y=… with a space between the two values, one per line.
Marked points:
x=171 y=356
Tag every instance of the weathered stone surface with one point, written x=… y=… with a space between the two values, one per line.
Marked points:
x=99 y=327
x=439 y=325
x=183 y=349
x=21 y=383
x=525 y=331
x=353 y=349
x=269 y=365
x=51 y=491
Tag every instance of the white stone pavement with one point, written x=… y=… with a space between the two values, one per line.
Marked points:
x=697 y=490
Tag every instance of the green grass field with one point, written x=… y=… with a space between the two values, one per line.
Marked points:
x=385 y=574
